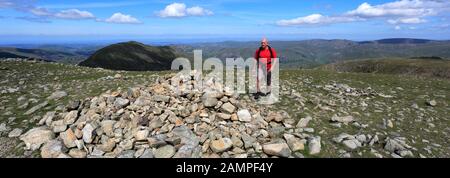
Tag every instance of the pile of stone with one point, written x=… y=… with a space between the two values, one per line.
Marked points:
x=171 y=118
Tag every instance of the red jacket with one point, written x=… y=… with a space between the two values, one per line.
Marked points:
x=264 y=56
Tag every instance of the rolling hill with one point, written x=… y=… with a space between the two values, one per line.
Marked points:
x=132 y=56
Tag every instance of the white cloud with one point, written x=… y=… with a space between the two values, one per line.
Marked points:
x=417 y=8
x=174 y=10
x=180 y=10
x=122 y=19
x=40 y=12
x=396 y=12
x=198 y=11
x=74 y=14
x=316 y=19
x=413 y=20
x=29 y=6
x=397 y=27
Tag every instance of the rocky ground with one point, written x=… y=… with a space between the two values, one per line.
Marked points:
x=55 y=110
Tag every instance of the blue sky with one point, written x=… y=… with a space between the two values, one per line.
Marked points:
x=92 y=20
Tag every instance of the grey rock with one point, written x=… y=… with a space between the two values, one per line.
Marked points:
x=77 y=153
x=228 y=108
x=294 y=143
x=244 y=115
x=373 y=140
x=147 y=154
x=156 y=123
x=3 y=127
x=314 y=145
x=97 y=152
x=343 y=136
x=221 y=145
x=432 y=103
x=133 y=92
x=88 y=133
x=121 y=103
x=71 y=117
x=126 y=144
x=57 y=95
x=107 y=146
x=304 y=122
x=73 y=105
x=309 y=130
x=210 y=101
x=155 y=142
x=185 y=151
x=15 y=133
x=344 y=119
x=47 y=119
x=277 y=149
x=276 y=131
x=274 y=116
x=298 y=155
x=68 y=138
x=107 y=127
x=37 y=107
x=126 y=154
x=223 y=116
x=141 y=135
x=361 y=138
x=166 y=151
x=58 y=126
x=393 y=145
x=161 y=98
x=35 y=137
x=186 y=135
x=118 y=76
x=173 y=140
x=406 y=153
x=351 y=144
x=52 y=149
x=237 y=142
x=11 y=119
x=248 y=140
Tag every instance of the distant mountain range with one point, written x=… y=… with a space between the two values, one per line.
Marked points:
x=311 y=53
x=133 y=56
x=305 y=53
x=59 y=53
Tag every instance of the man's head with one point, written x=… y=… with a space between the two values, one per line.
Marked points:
x=264 y=43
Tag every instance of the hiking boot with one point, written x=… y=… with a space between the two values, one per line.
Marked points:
x=257 y=94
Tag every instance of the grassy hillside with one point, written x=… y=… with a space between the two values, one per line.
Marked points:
x=398 y=66
x=383 y=105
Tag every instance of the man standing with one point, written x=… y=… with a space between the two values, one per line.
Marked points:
x=265 y=57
